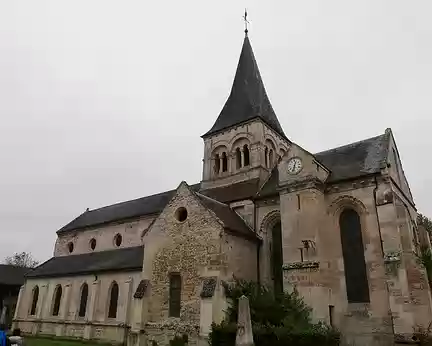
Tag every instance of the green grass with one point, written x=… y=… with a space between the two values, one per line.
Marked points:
x=31 y=341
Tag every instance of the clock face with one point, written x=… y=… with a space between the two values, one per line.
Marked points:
x=295 y=165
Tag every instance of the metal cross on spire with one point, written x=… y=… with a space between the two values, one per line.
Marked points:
x=246 y=22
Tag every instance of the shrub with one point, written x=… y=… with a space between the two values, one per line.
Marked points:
x=266 y=308
x=278 y=320
x=225 y=335
x=179 y=340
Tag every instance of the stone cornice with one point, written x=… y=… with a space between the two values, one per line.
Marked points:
x=350 y=185
x=304 y=184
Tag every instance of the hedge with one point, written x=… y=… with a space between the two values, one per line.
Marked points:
x=225 y=335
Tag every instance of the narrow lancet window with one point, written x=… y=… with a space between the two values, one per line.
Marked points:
x=216 y=164
x=174 y=295
x=224 y=162
x=114 y=294
x=57 y=300
x=246 y=155
x=83 y=301
x=238 y=158
x=35 y=297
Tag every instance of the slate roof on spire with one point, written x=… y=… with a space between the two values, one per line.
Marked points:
x=248 y=98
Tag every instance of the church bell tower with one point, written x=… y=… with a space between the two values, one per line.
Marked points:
x=247 y=139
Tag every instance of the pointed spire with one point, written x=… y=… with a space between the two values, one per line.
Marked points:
x=248 y=98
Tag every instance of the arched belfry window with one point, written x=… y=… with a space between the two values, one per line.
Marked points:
x=83 y=301
x=216 y=164
x=246 y=155
x=114 y=294
x=271 y=158
x=35 y=297
x=266 y=157
x=224 y=162
x=354 y=259
x=57 y=300
x=238 y=158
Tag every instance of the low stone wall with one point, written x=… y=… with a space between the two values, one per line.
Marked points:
x=116 y=333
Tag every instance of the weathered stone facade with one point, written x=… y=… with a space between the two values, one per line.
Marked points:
x=252 y=202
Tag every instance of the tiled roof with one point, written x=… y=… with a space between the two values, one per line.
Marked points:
x=248 y=98
x=270 y=186
x=130 y=258
x=12 y=275
x=154 y=204
x=347 y=162
x=356 y=159
x=122 y=211
x=234 y=192
x=230 y=219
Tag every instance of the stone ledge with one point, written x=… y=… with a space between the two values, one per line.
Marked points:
x=301 y=265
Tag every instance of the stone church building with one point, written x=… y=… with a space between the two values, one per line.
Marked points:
x=339 y=225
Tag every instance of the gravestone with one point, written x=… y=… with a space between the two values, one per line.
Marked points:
x=3 y=315
x=244 y=335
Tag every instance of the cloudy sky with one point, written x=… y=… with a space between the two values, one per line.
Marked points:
x=103 y=101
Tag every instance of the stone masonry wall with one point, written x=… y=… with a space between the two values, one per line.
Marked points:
x=193 y=248
x=322 y=281
x=255 y=134
x=241 y=256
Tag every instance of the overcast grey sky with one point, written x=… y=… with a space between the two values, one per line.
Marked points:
x=105 y=101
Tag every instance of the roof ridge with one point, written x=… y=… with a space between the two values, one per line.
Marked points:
x=135 y=199
x=129 y=200
x=211 y=199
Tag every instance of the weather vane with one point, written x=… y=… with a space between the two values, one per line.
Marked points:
x=246 y=22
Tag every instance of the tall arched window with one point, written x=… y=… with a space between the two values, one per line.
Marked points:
x=246 y=155
x=276 y=257
x=353 y=254
x=224 y=162
x=83 y=301
x=216 y=164
x=57 y=300
x=114 y=294
x=35 y=297
x=238 y=158
x=266 y=157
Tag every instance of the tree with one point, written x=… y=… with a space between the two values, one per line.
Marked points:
x=425 y=222
x=267 y=308
x=278 y=319
x=425 y=257
x=23 y=259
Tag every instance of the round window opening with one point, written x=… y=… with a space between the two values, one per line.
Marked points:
x=92 y=243
x=118 y=239
x=70 y=247
x=181 y=214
